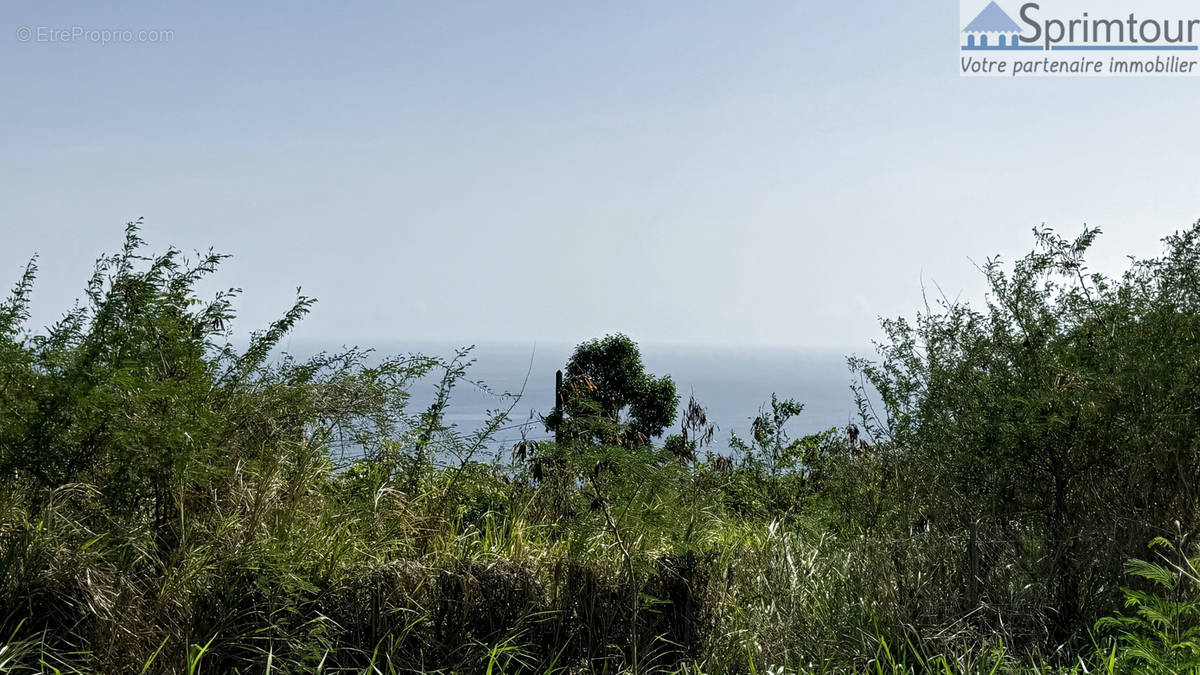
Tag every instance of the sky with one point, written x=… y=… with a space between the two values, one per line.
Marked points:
x=733 y=173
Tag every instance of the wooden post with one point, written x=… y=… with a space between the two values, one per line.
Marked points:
x=558 y=406
x=973 y=568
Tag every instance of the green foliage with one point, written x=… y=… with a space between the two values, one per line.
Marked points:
x=1161 y=633
x=770 y=447
x=1062 y=412
x=172 y=503
x=607 y=390
x=776 y=476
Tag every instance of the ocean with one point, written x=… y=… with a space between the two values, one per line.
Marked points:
x=731 y=383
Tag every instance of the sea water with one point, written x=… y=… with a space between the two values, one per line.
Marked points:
x=733 y=384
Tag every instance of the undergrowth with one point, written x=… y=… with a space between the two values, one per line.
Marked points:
x=173 y=503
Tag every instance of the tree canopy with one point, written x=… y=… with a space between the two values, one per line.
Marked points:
x=608 y=394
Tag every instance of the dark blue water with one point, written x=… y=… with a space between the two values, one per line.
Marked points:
x=731 y=383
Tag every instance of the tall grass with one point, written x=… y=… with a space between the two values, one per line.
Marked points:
x=173 y=504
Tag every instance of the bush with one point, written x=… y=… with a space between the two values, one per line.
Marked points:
x=171 y=503
x=1062 y=413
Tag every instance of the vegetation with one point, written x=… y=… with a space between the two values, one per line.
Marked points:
x=1018 y=496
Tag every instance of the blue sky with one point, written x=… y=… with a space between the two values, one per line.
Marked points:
x=738 y=173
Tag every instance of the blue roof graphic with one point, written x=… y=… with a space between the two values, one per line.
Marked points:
x=992 y=20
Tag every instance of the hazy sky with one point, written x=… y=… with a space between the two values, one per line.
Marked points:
x=736 y=172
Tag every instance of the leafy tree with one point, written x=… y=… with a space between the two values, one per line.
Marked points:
x=610 y=398
x=139 y=392
x=1062 y=414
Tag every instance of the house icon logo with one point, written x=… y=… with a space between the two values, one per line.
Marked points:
x=1078 y=37
x=993 y=29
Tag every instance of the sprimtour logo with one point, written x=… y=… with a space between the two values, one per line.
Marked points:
x=1079 y=37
